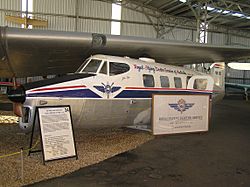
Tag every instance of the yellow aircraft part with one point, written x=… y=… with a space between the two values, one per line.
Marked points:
x=27 y=21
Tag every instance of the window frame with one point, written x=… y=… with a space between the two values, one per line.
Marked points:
x=144 y=82
x=175 y=82
x=109 y=68
x=90 y=59
x=195 y=84
x=83 y=65
x=100 y=68
x=165 y=76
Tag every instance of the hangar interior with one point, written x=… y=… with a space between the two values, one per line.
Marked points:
x=218 y=22
x=201 y=159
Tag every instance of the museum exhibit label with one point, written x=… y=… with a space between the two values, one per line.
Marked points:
x=56 y=132
x=180 y=113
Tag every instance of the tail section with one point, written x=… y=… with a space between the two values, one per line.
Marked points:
x=217 y=71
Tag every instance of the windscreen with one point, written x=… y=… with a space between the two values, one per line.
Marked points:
x=92 y=66
x=83 y=64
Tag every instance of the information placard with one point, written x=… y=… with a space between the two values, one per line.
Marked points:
x=56 y=132
x=180 y=113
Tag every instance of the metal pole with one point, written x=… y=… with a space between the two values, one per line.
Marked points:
x=21 y=164
x=198 y=23
x=26 y=16
x=77 y=15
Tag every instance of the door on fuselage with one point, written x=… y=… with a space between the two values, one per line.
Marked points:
x=106 y=110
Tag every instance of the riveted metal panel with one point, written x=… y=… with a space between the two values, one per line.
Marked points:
x=9 y=5
x=179 y=34
x=55 y=6
x=97 y=9
x=63 y=15
x=131 y=15
x=217 y=39
x=234 y=73
x=241 y=41
x=59 y=23
x=65 y=8
x=131 y=29
x=96 y=26
x=143 y=27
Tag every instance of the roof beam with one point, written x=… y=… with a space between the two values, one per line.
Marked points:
x=231 y=6
x=147 y=2
x=174 y=8
x=238 y=3
x=232 y=19
x=176 y=21
x=184 y=9
x=167 y=4
x=241 y=24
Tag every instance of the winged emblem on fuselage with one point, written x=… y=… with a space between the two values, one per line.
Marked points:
x=107 y=88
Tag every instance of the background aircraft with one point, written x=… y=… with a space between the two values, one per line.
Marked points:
x=244 y=87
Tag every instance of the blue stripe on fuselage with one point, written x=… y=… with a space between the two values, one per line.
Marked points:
x=148 y=93
x=87 y=93
x=81 y=93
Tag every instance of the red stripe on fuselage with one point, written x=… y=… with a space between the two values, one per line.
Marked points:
x=60 y=87
x=182 y=89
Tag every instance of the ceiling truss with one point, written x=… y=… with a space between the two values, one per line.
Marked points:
x=165 y=15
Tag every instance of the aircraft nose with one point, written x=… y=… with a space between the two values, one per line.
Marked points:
x=17 y=95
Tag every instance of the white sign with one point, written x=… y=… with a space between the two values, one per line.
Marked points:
x=56 y=132
x=180 y=113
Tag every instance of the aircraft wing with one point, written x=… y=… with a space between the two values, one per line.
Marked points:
x=26 y=52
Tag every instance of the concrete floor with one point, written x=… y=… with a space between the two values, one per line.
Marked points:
x=220 y=157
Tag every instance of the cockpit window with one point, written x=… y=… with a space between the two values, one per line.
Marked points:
x=118 y=68
x=83 y=64
x=104 y=68
x=92 y=66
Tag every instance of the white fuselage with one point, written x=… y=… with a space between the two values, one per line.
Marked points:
x=116 y=91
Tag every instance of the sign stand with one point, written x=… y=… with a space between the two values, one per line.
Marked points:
x=32 y=135
x=56 y=133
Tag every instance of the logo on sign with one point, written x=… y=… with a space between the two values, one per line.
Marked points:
x=181 y=105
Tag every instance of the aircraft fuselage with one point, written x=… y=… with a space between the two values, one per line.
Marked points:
x=113 y=91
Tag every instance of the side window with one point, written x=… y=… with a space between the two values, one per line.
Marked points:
x=164 y=81
x=200 y=84
x=104 y=68
x=177 y=82
x=148 y=80
x=118 y=68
